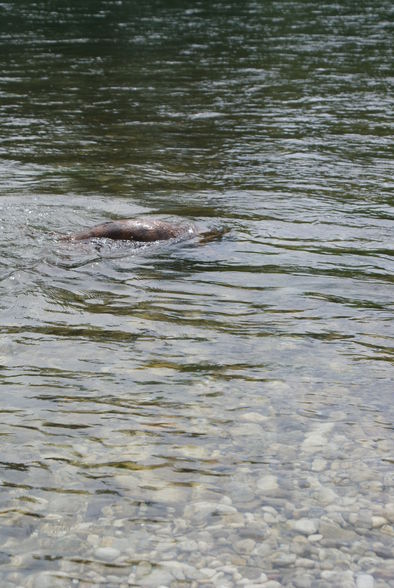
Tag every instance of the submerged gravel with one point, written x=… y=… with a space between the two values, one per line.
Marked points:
x=325 y=520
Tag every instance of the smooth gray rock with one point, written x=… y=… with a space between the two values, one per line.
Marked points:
x=365 y=581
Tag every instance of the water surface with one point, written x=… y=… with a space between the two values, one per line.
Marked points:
x=188 y=414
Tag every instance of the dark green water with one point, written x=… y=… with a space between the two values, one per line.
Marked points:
x=189 y=414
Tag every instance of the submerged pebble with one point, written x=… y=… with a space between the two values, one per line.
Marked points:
x=365 y=581
x=106 y=553
x=305 y=526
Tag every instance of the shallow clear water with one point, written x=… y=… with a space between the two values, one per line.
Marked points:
x=197 y=414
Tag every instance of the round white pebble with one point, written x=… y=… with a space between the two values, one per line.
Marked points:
x=106 y=553
x=305 y=526
x=365 y=581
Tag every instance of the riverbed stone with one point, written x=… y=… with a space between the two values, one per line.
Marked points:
x=316 y=439
x=334 y=534
x=281 y=559
x=180 y=570
x=107 y=553
x=300 y=545
x=248 y=430
x=315 y=538
x=158 y=577
x=302 y=581
x=188 y=545
x=378 y=521
x=305 y=526
x=254 y=417
x=269 y=518
x=365 y=581
x=339 y=579
x=201 y=510
x=389 y=511
x=327 y=496
x=208 y=572
x=319 y=464
x=304 y=562
x=245 y=545
x=268 y=484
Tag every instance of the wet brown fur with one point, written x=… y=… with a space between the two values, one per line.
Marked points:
x=143 y=230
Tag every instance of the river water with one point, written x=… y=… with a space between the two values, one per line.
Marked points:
x=197 y=414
